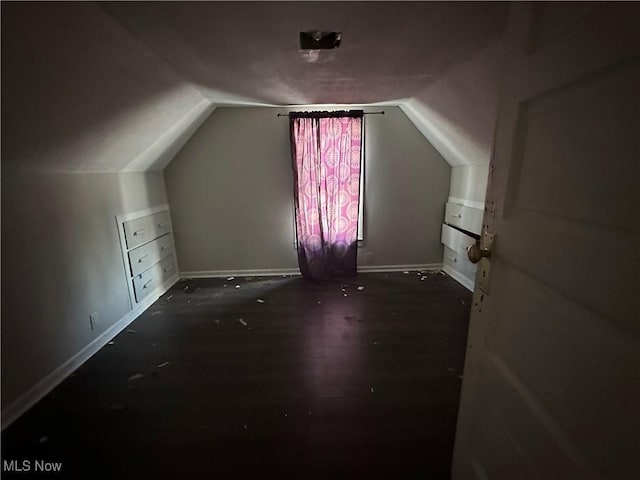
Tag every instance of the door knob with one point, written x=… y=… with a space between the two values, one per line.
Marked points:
x=480 y=249
x=475 y=253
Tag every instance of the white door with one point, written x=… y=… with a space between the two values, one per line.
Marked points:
x=552 y=373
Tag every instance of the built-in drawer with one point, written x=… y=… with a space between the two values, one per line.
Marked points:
x=138 y=231
x=461 y=216
x=141 y=230
x=147 y=281
x=143 y=257
x=459 y=262
x=161 y=224
x=455 y=239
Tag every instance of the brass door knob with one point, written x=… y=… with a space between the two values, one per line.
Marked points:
x=475 y=253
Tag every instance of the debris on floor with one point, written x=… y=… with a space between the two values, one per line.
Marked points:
x=188 y=289
x=237 y=286
x=372 y=390
x=135 y=376
x=225 y=285
x=423 y=278
x=157 y=312
x=111 y=343
x=319 y=302
x=169 y=297
x=360 y=288
x=260 y=300
x=230 y=278
x=163 y=364
x=344 y=295
x=406 y=273
x=131 y=330
x=241 y=321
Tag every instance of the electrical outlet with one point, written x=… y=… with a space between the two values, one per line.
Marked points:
x=93 y=320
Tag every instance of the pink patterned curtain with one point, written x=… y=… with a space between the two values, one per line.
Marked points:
x=326 y=173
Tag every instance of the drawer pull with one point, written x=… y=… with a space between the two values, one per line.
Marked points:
x=147 y=284
x=453 y=259
x=456 y=215
x=168 y=269
x=144 y=256
x=138 y=231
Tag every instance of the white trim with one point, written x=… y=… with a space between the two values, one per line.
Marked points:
x=126 y=217
x=265 y=272
x=458 y=277
x=32 y=396
x=400 y=268
x=288 y=271
x=466 y=203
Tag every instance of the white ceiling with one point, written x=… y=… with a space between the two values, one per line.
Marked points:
x=233 y=51
x=121 y=86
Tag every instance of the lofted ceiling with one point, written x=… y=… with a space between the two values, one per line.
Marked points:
x=121 y=86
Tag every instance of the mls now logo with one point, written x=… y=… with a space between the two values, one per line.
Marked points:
x=28 y=466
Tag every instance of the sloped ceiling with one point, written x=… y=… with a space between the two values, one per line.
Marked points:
x=122 y=86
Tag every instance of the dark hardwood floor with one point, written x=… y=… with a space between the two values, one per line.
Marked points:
x=319 y=383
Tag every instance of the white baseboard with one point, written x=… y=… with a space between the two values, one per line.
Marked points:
x=458 y=277
x=288 y=271
x=265 y=272
x=399 y=268
x=53 y=379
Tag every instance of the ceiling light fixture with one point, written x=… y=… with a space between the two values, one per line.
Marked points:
x=319 y=40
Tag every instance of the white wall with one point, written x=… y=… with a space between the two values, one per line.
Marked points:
x=457 y=113
x=80 y=93
x=230 y=191
x=61 y=261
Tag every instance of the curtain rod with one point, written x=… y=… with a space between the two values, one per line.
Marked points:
x=364 y=113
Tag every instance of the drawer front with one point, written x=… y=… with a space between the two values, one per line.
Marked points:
x=471 y=219
x=455 y=239
x=144 y=283
x=168 y=267
x=147 y=255
x=459 y=262
x=453 y=214
x=144 y=229
x=461 y=216
x=138 y=231
x=451 y=258
x=147 y=281
x=161 y=224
